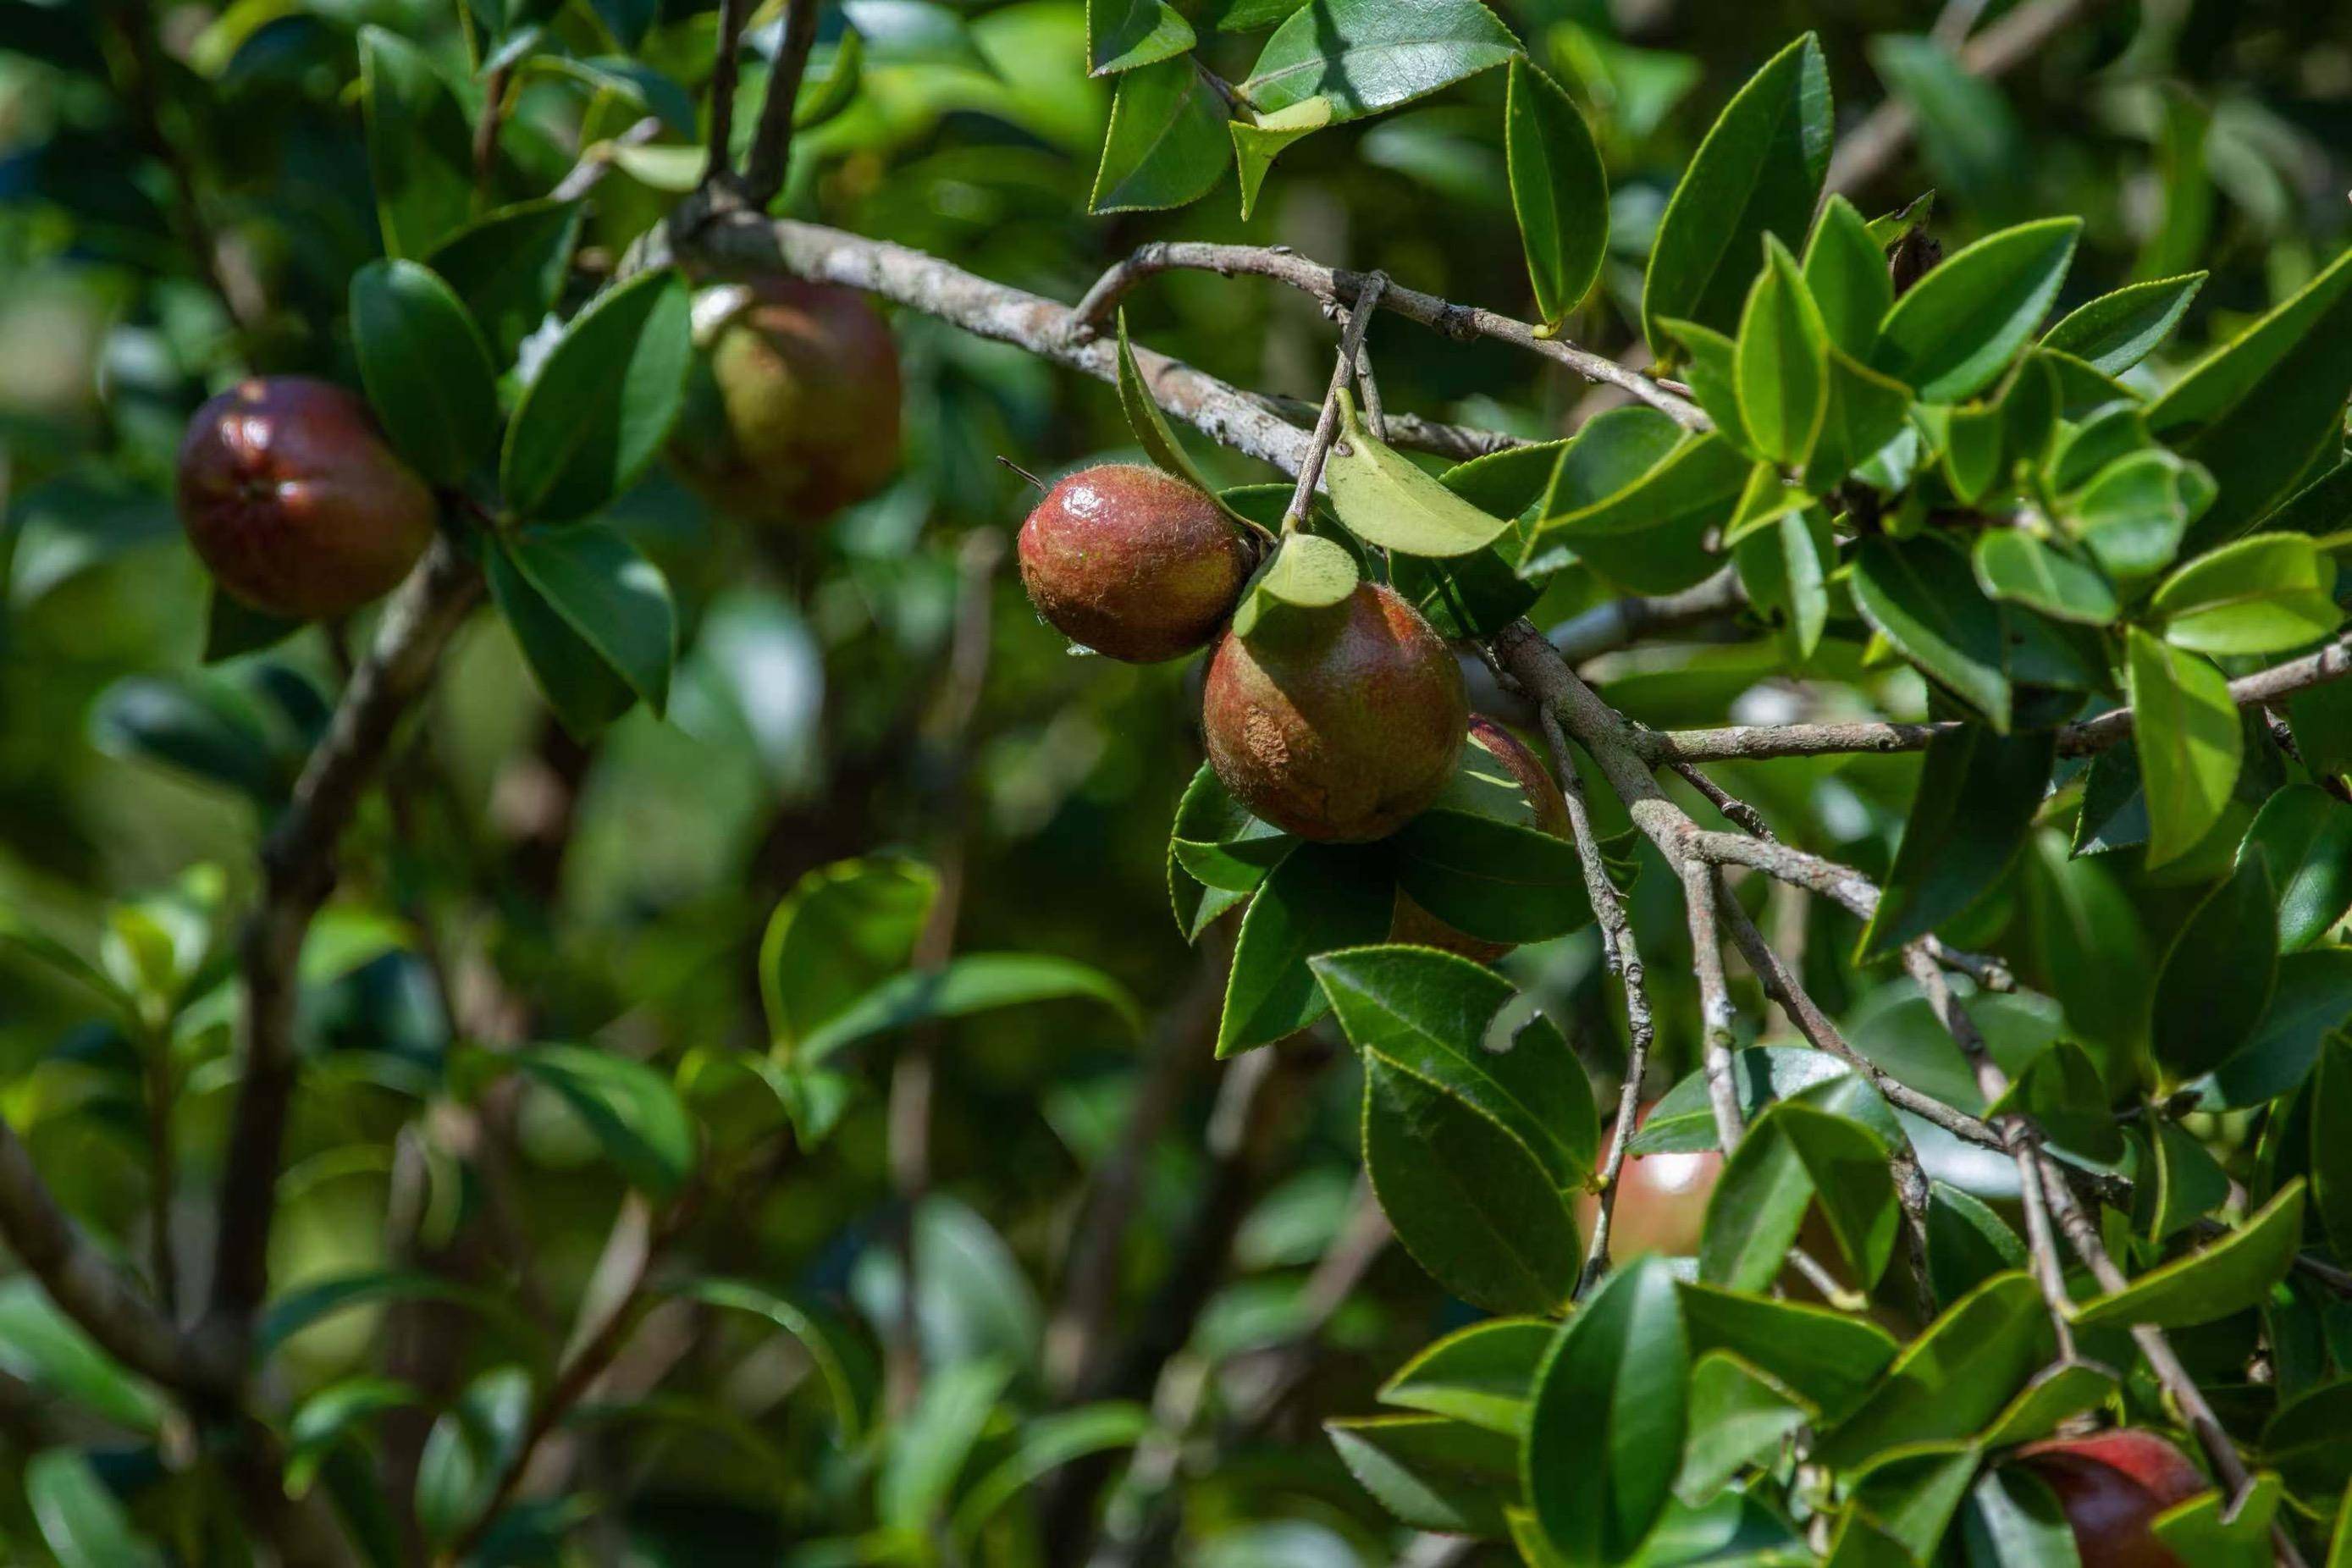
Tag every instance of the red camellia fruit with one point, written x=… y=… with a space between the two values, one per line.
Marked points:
x=1133 y=562
x=1506 y=780
x=2112 y=1486
x=799 y=415
x=1661 y=1202
x=1340 y=725
x=294 y=503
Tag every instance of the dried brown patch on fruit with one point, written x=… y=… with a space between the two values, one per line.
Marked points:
x=294 y=500
x=1133 y=562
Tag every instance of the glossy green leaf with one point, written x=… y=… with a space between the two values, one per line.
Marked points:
x=2304 y=836
x=1496 y=881
x=83 y=1524
x=318 y=1299
x=2061 y=1090
x=1785 y=566
x=1648 y=535
x=968 y=984
x=1166 y=145
x=1759 y=172
x=1781 y=362
x=842 y=1361
x=1307 y=572
x=1430 y=1472
x=1322 y=898
x=2313 y=998
x=930 y=1444
x=420 y=147
x=2055 y=1394
x=1558 y=190
x=1921 y=595
x=613 y=598
x=1387 y=500
x=601 y=406
x=1913 y=1492
x=426 y=369
x=1955 y=332
x=1606 y=1435
x=1151 y=427
x=1796 y=1155
x=2093 y=949
x=2187 y=739
x=579 y=684
x=2216 y=979
x=1712 y=370
x=2013 y=564
x=43 y=1349
x=2331 y=1157
x=2228 y=1275
x=1219 y=843
x=509 y=267
x=2013 y=1520
x=1845 y=272
x=2305 y=1441
x=1951 y=1380
x=1739 y=1416
x=1682 y=1121
x=842 y=930
x=2133 y=515
x=2179 y=1182
x=1865 y=414
x=1261 y=138
x=1365 y=56
x=1484 y=1375
x=1978 y=795
x=1122 y=35
x=634 y=1112
x=2259 y=410
x=2116 y=331
x=2208 y=1531
x=2265 y=593
x=1968 y=1243
x=1829 y=1357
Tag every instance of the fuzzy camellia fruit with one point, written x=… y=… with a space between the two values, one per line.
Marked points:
x=798 y=414
x=294 y=503
x=1339 y=725
x=1500 y=778
x=2112 y=1487
x=1133 y=562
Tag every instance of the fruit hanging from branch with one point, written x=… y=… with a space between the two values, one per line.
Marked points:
x=2111 y=1486
x=1133 y=562
x=796 y=409
x=294 y=500
x=1337 y=725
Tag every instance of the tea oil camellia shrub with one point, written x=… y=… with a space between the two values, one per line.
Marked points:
x=1644 y=861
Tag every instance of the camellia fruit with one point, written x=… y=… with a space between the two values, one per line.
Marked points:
x=294 y=500
x=797 y=412
x=1501 y=779
x=1133 y=562
x=2111 y=1486
x=1662 y=1201
x=1339 y=725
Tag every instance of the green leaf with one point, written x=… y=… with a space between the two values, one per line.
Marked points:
x=1484 y=1375
x=842 y=1361
x=1648 y=535
x=1921 y=595
x=83 y=1523
x=1970 y=138
x=2116 y=331
x=1912 y=1493
x=2054 y=1394
x=1444 y=1019
x=971 y=983
x=1737 y=1415
x=2189 y=740
x=1150 y=427
x=472 y=1442
x=972 y=1300
x=1558 y=190
x=1472 y=1204
x=603 y=403
x=1124 y=34
x=931 y=1443
x=585 y=691
x=1759 y=172
x=1430 y=1472
x=2180 y=1183
x=1713 y=374
x=1386 y=499
x=1968 y=1243
x=1978 y=795
x=1845 y=272
x=1166 y=145
x=1047 y=1444
x=1219 y=843
x=420 y=147
x=1961 y=324
x=616 y=599
x=842 y=930
x=1605 y=1437
x=2209 y=1532
x=2061 y=1090
x=1827 y=1356
x=2013 y=564
x=1497 y=881
x=318 y=1299
x=2305 y=1441
x=1799 y=1152
x=2331 y=1157
x=509 y=267
x=2304 y=836
x=2093 y=949
x=634 y=1112
x=426 y=369
x=45 y=1349
x=1322 y=898
x=2133 y=515
x=2216 y=978
x=1682 y=1121
x=2312 y=999
x=338 y=1411
x=1260 y=138
x=1865 y=412
x=232 y=628
x=1954 y=1378
x=2265 y=593
x=2230 y=1276
x=2013 y=1520
x=2259 y=410
x=1782 y=363
x=1365 y=56
x=1785 y=566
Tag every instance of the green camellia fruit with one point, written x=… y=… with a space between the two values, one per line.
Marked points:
x=1133 y=562
x=1500 y=778
x=1339 y=725
x=294 y=501
x=796 y=412
x=2110 y=1488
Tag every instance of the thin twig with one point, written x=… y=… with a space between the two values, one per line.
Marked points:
x=1701 y=887
x=718 y=167
x=1620 y=623
x=772 y=140
x=486 y=134
x=1327 y=423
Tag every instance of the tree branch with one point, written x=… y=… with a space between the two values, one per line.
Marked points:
x=1620 y=623
x=1327 y=422
x=87 y=1286
x=726 y=68
x=772 y=140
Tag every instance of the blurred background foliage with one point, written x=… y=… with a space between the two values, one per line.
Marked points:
x=616 y=888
